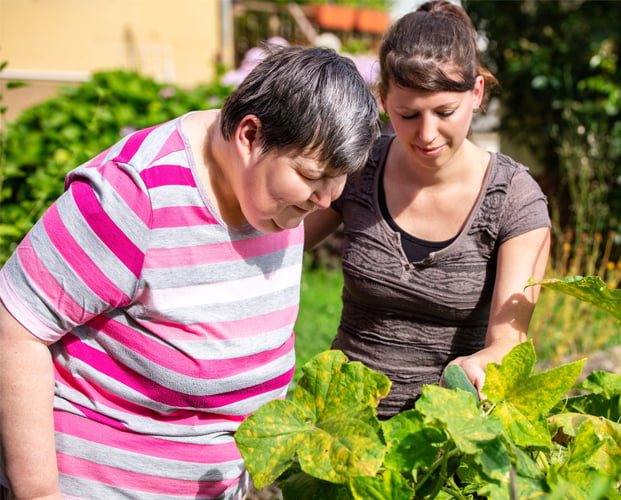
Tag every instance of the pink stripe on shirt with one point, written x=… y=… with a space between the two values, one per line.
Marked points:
x=225 y=330
x=164 y=395
x=80 y=261
x=127 y=189
x=106 y=229
x=180 y=217
x=91 y=430
x=168 y=175
x=47 y=284
x=123 y=479
x=217 y=252
x=132 y=144
x=155 y=351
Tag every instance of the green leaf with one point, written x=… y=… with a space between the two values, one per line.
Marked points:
x=533 y=395
x=330 y=424
x=599 y=382
x=594 y=453
x=301 y=486
x=591 y=289
x=388 y=485
x=268 y=439
x=411 y=443
x=472 y=432
x=342 y=396
x=595 y=404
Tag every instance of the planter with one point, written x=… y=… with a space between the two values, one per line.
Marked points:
x=374 y=21
x=336 y=17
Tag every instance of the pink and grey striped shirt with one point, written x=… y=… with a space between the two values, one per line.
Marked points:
x=169 y=327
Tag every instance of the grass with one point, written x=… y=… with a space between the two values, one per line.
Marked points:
x=320 y=311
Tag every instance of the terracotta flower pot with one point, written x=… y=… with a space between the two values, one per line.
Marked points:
x=372 y=20
x=336 y=17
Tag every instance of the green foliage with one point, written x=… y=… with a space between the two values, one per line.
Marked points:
x=527 y=439
x=61 y=133
x=557 y=62
x=524 y=441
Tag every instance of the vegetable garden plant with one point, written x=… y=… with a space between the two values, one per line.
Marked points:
x=527 y=439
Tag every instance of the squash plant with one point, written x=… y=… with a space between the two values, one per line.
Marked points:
x=528 y=439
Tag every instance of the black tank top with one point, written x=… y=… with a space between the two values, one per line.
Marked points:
x=415 y=249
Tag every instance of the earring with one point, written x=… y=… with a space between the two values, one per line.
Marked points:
x=475 y=110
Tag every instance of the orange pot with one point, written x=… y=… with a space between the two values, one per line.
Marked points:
x=336 y=17
x=372 y=21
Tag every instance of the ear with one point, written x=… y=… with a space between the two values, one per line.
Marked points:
x=478 y=92
x=247 y=135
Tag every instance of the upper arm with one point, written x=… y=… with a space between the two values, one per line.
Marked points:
x=319 y=225
x=519 y=259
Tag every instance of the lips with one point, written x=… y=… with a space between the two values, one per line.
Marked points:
x=430 y=151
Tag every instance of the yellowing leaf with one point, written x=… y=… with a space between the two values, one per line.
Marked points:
x=330 y=424
x=268 y=439
x=591 y=289
x=532 y=395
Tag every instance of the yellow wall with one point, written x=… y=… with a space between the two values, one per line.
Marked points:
x=51 y=41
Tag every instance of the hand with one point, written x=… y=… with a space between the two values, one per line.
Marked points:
x=474 y=368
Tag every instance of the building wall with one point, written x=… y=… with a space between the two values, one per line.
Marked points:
x=47 y=42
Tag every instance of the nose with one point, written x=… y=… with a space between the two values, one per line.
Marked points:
x=328 y=190
x=428 y=129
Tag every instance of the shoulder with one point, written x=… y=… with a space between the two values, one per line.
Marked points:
x=510 y=176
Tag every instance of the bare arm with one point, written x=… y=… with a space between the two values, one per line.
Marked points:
x=26 y=416
x=519 y=259
x=319 y=225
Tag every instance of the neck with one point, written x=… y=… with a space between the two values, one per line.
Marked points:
x=218 y=174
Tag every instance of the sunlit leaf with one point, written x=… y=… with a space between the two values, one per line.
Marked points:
x=525 y=431
x=330 y=425
x=268 y=440
x=533 y=395
x=594 y=458
x=342 y=396
x=591 y=289
x=473 y=433
x=599 y=382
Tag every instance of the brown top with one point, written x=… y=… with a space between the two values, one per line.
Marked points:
x=409 y=319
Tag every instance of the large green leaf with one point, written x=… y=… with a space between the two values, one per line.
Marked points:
x=521 y=399
x=473 y=433
x=591 y=289
x=411 y=442
x=330 y=424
